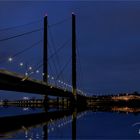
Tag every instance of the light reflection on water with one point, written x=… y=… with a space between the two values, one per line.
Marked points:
x=13 y=110
x=89 y=125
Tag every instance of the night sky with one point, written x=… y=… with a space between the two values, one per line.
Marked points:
x=108 y=40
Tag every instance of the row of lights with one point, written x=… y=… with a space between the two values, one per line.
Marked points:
x=21 y=64
x=10 y=59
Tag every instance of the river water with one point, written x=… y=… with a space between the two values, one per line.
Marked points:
x=87 y=124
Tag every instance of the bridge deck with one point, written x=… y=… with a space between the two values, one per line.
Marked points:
x=11 y=81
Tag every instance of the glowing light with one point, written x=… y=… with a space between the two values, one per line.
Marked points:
x=37 y=71
x=139 y=131
x=30 y=68
x=43 y=74
x=72 y=13
x=48 y=76
x=25 y=109
x=26 y=74
x=37 y=135
x=21 y=64
x=52 y=78
x=10 y=59
x=25 y=98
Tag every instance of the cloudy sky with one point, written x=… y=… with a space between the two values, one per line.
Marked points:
x=108 y=40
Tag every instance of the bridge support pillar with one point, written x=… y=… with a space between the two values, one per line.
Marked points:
x=45 y=57
x=45 y=51
x=74 y=86
x=46 y=102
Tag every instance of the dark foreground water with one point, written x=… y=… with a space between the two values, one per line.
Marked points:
x=68 y=125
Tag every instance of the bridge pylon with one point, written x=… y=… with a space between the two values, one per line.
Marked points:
x=74 y=85
x=45 y=57
x=45 y=50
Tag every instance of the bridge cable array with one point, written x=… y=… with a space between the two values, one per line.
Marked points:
x=19 y=35
x=19 y=26
x=31 y=70
x=59 y=22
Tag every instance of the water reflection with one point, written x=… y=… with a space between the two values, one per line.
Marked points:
x=126 y=109
x=46 y=119
x=74 y=114
x=41 y=125
x=45 y=132
x=119 y=109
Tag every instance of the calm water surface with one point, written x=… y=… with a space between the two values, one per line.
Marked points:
x=88 y=125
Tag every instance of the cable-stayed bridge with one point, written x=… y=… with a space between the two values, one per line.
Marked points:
x=50 y=85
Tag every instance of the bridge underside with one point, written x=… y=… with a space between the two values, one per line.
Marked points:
x=13 y=82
